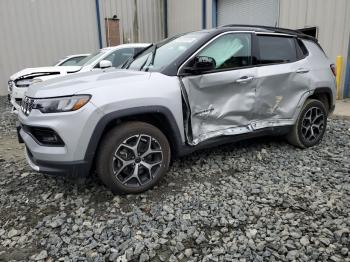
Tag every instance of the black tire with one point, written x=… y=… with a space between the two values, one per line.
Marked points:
x=303 y=137
x=116 y=161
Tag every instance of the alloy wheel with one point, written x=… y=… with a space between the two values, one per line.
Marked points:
x=313 y=124
x=137 y=159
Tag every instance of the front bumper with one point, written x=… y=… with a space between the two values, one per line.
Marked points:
x=74 y=128
x=71 y=169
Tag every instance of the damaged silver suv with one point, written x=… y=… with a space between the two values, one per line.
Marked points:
x=186 y=93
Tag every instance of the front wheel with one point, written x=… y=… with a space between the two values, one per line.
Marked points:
x=133 y=157
x=310 y=126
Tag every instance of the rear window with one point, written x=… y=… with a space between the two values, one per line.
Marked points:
x=276 y=50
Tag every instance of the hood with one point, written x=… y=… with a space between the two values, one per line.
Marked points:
x=80 y=83
x=39 y=71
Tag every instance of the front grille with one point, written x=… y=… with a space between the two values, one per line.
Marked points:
x=27 y=105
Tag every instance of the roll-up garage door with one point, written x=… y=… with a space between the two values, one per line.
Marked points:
x=250 y=12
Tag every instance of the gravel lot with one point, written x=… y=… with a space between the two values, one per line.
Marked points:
x=259 y=200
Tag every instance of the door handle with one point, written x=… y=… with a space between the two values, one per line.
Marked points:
x=244 y=79
x=303 y=71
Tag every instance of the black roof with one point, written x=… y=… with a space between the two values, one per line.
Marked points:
x=267 y=29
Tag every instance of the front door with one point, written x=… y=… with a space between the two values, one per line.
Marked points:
x=221 y=100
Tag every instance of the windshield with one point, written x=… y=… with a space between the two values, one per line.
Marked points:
x=158 y=56
x=91 y=58
x=72 y=61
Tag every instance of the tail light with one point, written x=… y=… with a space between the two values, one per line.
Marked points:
x=334 y=69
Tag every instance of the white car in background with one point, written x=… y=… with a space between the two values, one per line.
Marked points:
x=71 y=60
x=106 y=57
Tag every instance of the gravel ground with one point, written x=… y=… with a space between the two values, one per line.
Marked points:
x=259 y=200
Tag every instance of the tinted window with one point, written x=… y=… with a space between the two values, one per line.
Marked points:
x=274 y=50
x=120 y=56
x=301 y=49
x=230 y=51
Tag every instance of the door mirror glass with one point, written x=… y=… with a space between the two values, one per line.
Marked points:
x=202 y=64
x=105 y=64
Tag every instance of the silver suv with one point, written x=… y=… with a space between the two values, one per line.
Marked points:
x=189 y=92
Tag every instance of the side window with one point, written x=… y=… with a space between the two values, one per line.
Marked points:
x=276 y=50
x=230 y=51
x=118 y=57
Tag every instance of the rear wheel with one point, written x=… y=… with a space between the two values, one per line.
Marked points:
x=133 y=157
x=310 y=126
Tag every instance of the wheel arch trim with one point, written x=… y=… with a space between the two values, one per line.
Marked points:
x=327 y=91
x=99 y=129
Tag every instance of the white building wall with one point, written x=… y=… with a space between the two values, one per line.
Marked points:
x=184 y=16
x=39 y=32
x=331 y=17
x=140 y=20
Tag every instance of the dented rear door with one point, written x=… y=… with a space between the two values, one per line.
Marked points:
x=282 y=80
x=221 y=101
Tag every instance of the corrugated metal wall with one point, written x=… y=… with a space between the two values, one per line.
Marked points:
x=249 y=12
x=184 y=16
x=332 y=17
x=39 y=32
x=141 y=20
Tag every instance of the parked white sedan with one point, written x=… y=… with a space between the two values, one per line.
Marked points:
x=104 y=58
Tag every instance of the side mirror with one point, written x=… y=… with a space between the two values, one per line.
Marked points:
x=105 y=64
x=201 y=64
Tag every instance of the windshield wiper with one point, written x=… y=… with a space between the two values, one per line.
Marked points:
x=153 y=57
x=132 y=58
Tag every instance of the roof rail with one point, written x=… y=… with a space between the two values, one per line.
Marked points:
x=275 y=30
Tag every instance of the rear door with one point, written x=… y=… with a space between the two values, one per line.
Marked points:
x=282 y=79
x=221 y=101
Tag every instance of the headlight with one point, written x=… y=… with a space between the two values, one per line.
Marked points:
x=61 y=104
x=27 y=82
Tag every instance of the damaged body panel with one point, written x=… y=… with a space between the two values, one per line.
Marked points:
x=219 y=104
x=279 y=88
x=266 y=90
